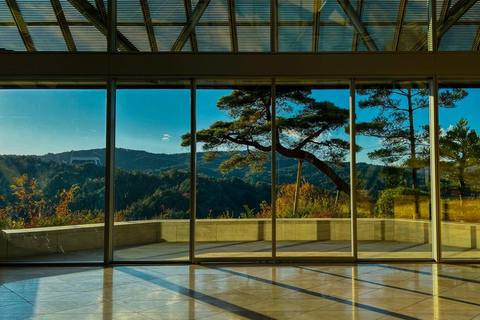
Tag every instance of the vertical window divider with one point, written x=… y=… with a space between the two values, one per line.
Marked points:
x=110 y=170
x=193 y=167
x=353 y=173
x=434 y=169
x=273 y=25
x=110 y=139
x=273 y=94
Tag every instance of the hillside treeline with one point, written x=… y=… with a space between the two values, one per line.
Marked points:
x=31 y=189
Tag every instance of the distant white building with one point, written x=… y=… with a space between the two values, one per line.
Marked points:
x=80 y=160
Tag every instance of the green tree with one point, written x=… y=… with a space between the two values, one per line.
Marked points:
x=402 y=142
x=460 y=154
x=305 y=130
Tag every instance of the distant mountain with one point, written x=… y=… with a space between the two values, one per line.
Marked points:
x=161 y=162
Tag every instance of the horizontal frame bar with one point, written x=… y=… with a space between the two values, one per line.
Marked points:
x=217 y=65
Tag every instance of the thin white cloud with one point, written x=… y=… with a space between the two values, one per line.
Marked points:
x=166 y=137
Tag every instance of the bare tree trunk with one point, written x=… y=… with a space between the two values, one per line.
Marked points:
x=326 y=170
x=413 y=154
x=297 y=188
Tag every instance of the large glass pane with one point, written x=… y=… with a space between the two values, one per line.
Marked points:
x=313 y=169
x=459 y=169
x=152 y=177
x=233 y=183
x=52 y=172
x=57 y=25
x=393 y=169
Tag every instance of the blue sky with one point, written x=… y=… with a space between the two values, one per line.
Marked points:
x=43 y=121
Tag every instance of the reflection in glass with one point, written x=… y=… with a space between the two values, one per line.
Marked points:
x=52 y=174
x=233 y=183
x=152 y=177
x=393 y=169
x=313 y=174
x=459 y=147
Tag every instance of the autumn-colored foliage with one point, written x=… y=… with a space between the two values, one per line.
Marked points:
x=313 y=202
x=30 y=209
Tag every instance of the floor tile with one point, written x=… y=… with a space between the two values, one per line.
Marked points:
x=383 y=291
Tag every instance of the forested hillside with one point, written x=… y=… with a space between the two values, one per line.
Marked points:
x=152 y=186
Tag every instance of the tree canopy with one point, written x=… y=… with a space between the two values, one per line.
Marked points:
x=403 y=142
x=460 y=154
x=305 y=130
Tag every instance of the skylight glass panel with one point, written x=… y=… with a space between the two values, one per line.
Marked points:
x=137 y=35
x=295 y=10
x=252 y=11
x=167 y=10
x=380 y=11
x=71 y=13
x=36 y=10
x=410 y=36
x=5 y=14
x=88 y=38
x=213 y=38
x=335 y=38
x=129 y=11
x=166 y=36
x=417 y=12
x=294 y=38
x=48 y=38
x=331 y=11
x=216 y=11
x=253 y=38
x=383 y=36
x=458 y=38
x=10 y=39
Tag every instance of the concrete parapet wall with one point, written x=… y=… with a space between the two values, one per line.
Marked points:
x=37 y=241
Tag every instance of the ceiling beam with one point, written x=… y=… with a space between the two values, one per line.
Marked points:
x=355 y=39
x=62 y=23
x=452 y=16
x=102 y=10
x=193 y=35
x=149 y=26
x=274 y=45
x=190 y=25
x=476 y=41
x=402 y=9
x=317 y=10
x=358 y=25
x=233 y=25
x=443 y=15
x=93 y=15
x=21 y=25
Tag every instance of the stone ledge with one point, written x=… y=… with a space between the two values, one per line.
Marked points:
x=35 y=241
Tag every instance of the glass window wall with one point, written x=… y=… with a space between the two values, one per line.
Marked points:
x=52 y=172
x=152 y=176
x=233 y=167
x=312 y=169
x=459 y=147
x=393 y=175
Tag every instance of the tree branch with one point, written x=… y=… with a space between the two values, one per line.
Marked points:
x=310 y=137
x=248 y=143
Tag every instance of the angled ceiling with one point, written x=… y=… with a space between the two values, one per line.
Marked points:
x=238 y=25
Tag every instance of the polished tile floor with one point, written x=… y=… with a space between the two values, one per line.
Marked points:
x=236 y=291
